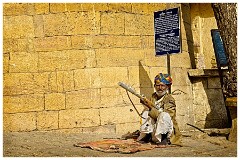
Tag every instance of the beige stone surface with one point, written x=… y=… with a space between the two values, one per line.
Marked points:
x=118 y=58
x=10 y=45
x=65 y=81
x=20 y=122
x=62 y=60
x=47 y=120
x=38 y=25
x=18 y=26
x=55 y=101
x=87 y=78
x=23 y=103
x=25 y=45
x=113 y=97
x=5 y=63
x=86 y=98
x=55 y=24
x=25 y=83
x=15 y=9
x=115 y=115
x=110 y=76
x=41 y=8
x=136 y=24
x=179 y=77
x=52 y=43
x=109 y=21
x=23 y=62
x=140 y=8
x=152 y=60
x=83 y=23
x=120 y=7
x=79 y=118
x=82 y=7
x=57 y=7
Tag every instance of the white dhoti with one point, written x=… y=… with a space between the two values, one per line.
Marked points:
x=163 y=125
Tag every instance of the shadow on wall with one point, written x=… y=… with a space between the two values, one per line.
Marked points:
x=146 y=86
x=185 y=8
x=210 y=110
x=217 y=117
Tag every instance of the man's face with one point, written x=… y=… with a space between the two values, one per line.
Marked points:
x=160 y=88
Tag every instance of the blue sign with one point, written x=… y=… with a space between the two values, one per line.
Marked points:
x=167 y=31
x=219 y=48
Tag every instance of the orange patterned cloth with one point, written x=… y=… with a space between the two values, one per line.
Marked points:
x=118 y=146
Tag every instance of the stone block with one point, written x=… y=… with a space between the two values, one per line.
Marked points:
x=16 y=9
x=52 y=43
x=65 y=81
x=182 y=122
x=61 y=81
x=109 y=21
x=57 y=7
x=133 y=76
x=23 y=103
x=120 y=57
x=140 y=8
x=138 y=24
x=88 y=98
x=55 y=24
x=38 y=25
x=18 y=26
x=23 y=62
x=19 y=122
x=79 y=118
x=116 y=41
x=180 y=79
x=10 y=45
x=55 y=101
x=115 y=115
x=6 y=58
x=124 y=128
x=154 y=61
x=106 y=129
x=180 y=60
x=87 y=78
x=82 y=42
x=25 y=83
x=62 y=60
x=214 y=83
x=183 y=107
x=199 y=84
x=112 y=97
x=153 y=7
x=200 y=112
x=47 y=120
x=83 y=23
x=148 y=42
x=41 y=8
x=25 y=45
x=89 y=7
x=144 y=76
x=181 y=93
x=120 y=7
x=112 y=75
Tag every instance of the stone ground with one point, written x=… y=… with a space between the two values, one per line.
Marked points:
x=56 y=144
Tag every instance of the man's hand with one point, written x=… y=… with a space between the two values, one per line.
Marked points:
x=146 y=102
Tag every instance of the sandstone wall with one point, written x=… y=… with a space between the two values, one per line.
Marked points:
x=62 y=63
